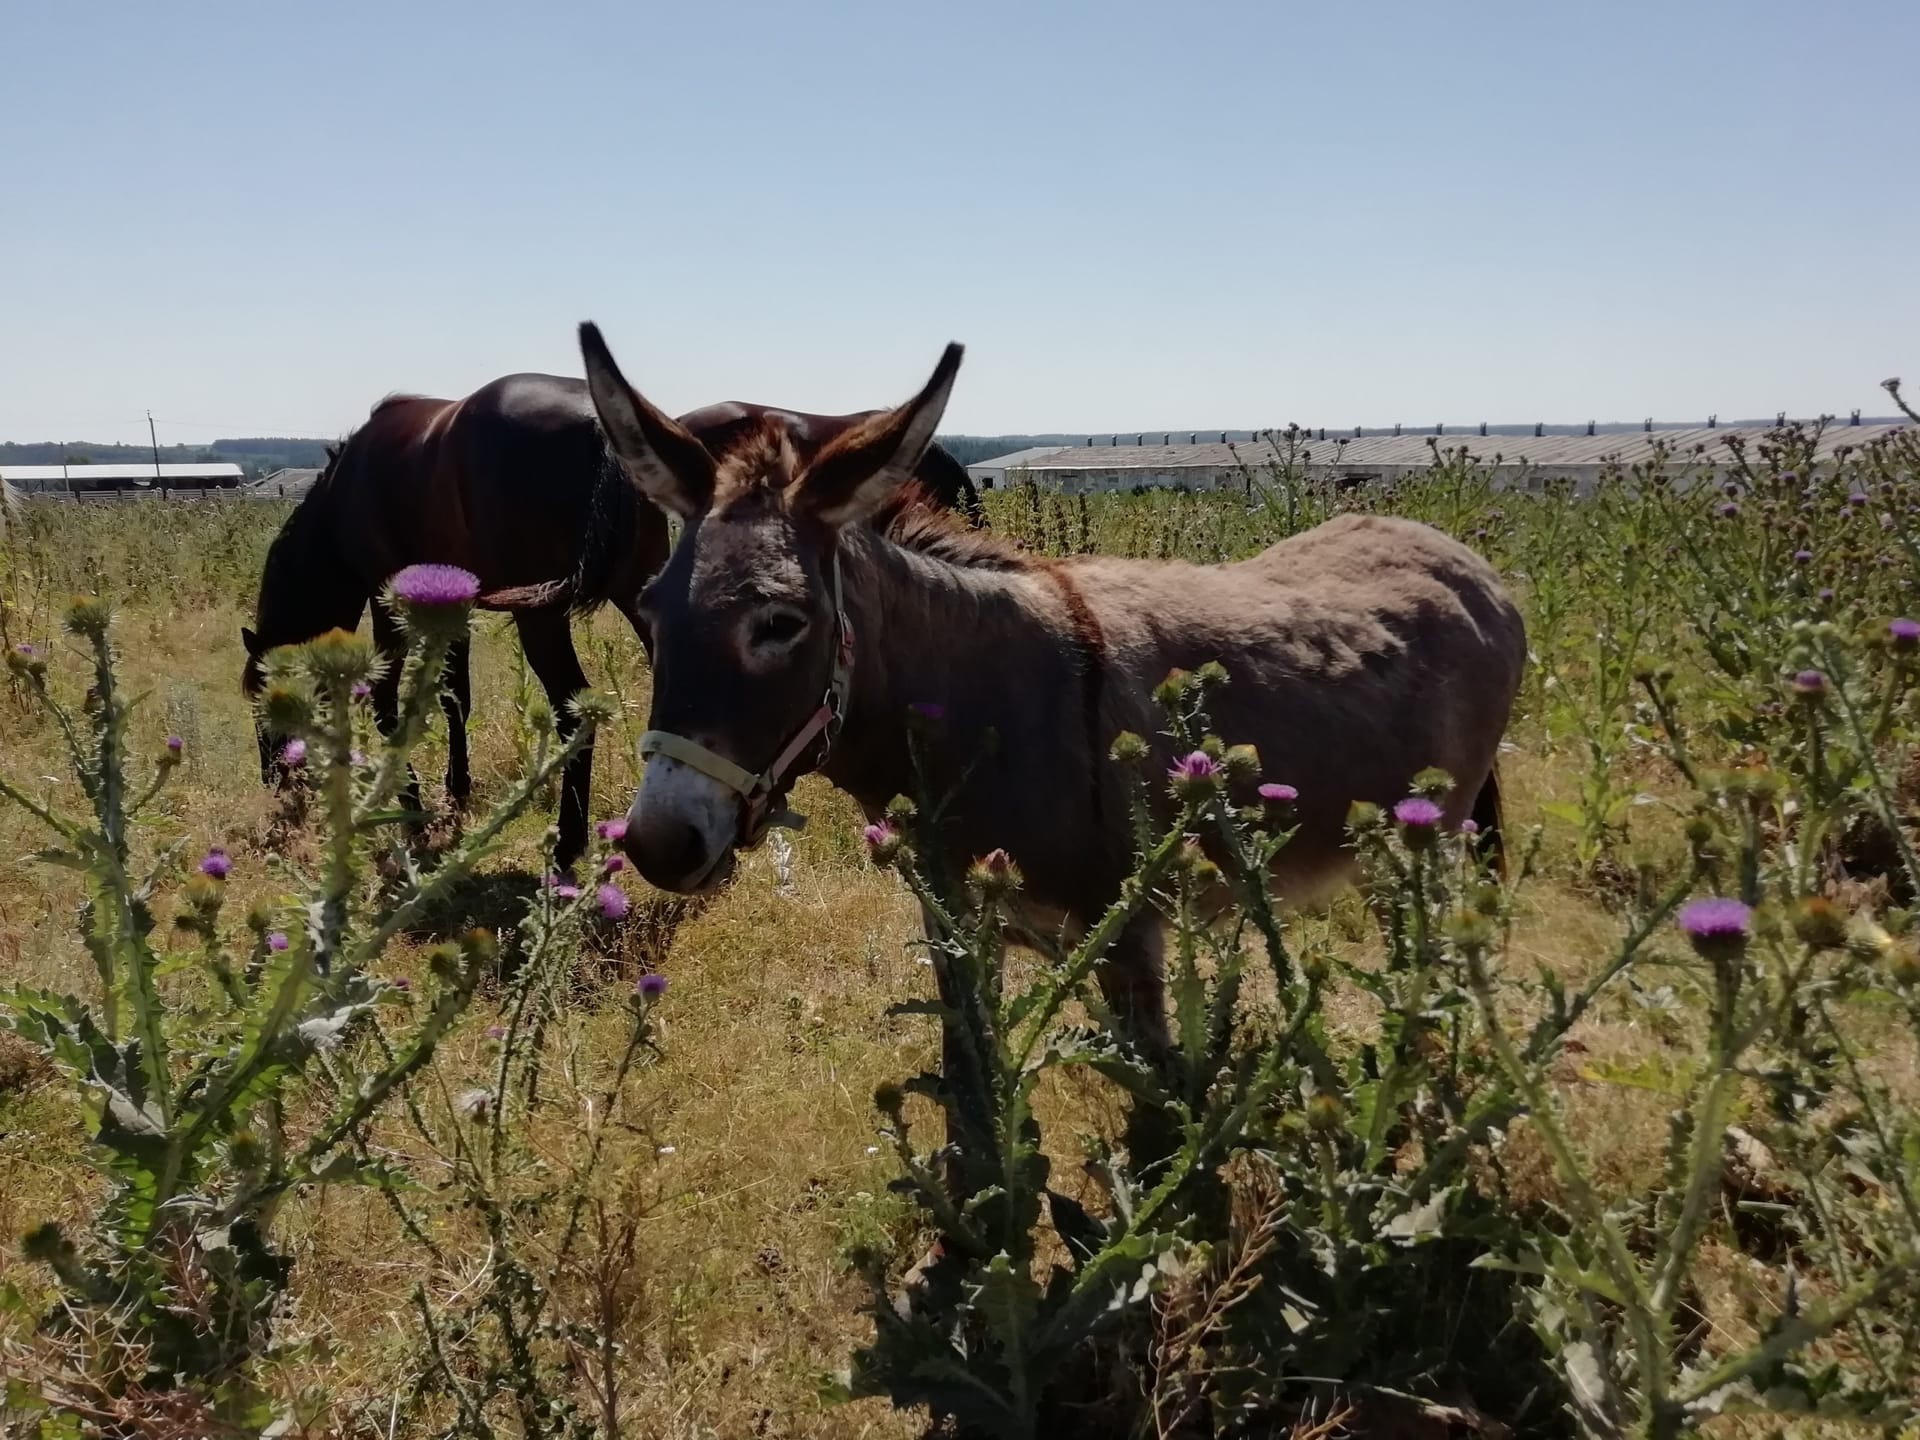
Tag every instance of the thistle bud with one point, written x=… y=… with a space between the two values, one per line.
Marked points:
x=1819 y=923
x=1326 y=1112
x=88 y=617
x=338 y=657
x=1241 y=762
x=994 y=875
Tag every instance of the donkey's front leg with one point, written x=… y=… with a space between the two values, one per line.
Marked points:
x=1134 y=983
x=1133 y=980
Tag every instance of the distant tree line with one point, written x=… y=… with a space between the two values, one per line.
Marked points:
x=256 y=455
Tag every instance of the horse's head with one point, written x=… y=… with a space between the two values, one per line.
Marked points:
x=751 y=653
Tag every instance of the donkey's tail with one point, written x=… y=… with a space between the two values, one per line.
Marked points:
x=1486 y=814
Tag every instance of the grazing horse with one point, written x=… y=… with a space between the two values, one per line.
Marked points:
x=515 y=484
x=1360 y=653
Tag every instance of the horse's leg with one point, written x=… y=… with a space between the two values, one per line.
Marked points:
x=546 y=638
x=456 y=699
x=391 y=641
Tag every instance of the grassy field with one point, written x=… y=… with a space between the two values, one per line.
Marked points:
x=746 y=1172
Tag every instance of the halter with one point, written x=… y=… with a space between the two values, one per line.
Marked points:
x=759 y=793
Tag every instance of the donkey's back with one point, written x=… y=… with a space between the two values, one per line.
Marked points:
x=1360 y=653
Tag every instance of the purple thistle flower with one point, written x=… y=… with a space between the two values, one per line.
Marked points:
x=1729 y=511
x=1905 y=634
x=1857 y=499
x=356 y=757
x=401 y=983
x=293 y=754
x=613 y=902
x=563 y=891
x=652 y=987
x=496 y=1032
x=361 y=690
x=436 y=585
x=614 y=865
x=1809 y=683
x=277 y=942
x=1279 y=794
x=1416 y=812
x=1788 y=477
x=1469 y=827
x=1803 y=557
x=215 y=863
x=1197 y=766
x=612 y=831
x=928 y=709
x=880 y=835
x=26 y=651
x=1716 y=926
x=175 y=745
x=1826 y=594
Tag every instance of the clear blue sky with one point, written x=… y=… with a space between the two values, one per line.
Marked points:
x=260 y=217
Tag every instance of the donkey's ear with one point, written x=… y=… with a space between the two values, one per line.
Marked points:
x=662 y=458
x=854 y=475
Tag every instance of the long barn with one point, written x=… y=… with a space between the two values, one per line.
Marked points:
x=1518 y=461
x=84 y=479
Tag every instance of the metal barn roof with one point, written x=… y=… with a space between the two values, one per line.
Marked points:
x=39 y=474
x=1702 y=444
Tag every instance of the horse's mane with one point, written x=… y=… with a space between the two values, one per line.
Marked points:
x=296 y=560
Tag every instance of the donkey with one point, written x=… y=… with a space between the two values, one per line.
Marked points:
x=791 y=633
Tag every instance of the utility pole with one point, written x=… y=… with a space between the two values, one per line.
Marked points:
x=155 y=441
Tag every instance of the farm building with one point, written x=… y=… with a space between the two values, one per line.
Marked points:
x=80 y=479
x=1521 y=461
x=284 y=484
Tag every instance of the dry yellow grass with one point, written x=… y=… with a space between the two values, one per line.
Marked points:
x=752 y=1165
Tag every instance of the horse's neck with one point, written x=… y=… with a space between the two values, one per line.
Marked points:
x=307 y=588
x=927 y=631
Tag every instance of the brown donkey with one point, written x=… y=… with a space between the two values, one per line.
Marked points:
x=788 y=635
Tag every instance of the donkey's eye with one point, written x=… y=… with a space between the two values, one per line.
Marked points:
x=779 y=627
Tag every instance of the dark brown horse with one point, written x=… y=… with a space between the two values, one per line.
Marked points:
x=514 y=483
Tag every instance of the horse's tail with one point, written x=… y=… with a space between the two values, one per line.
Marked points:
x=947 y=480
x=613 y=514
x=1486 y=814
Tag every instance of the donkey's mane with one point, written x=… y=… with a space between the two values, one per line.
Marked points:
x=914 y=520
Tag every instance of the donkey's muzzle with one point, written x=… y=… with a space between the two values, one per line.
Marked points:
x=673 y=854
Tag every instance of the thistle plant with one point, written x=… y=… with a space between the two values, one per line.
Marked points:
x=188 y=1064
